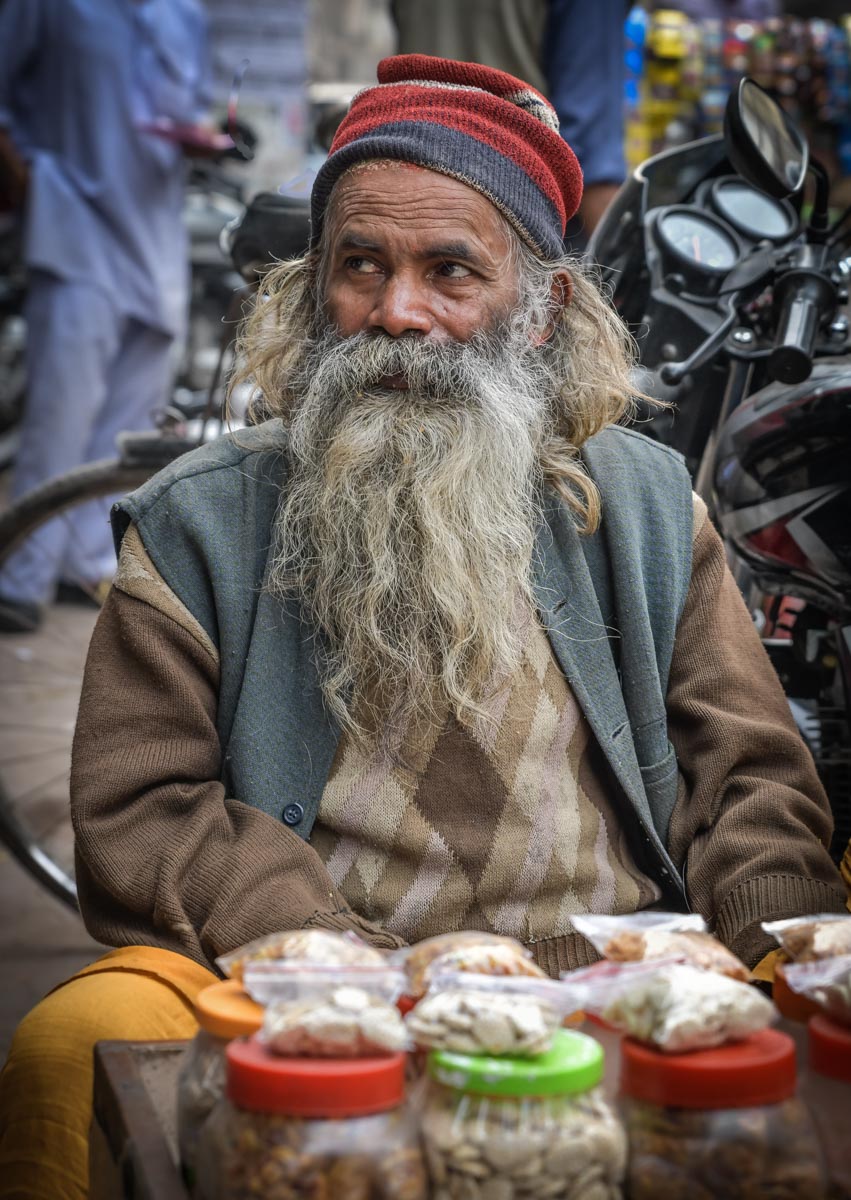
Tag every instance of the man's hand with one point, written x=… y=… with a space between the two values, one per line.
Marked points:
x=14 y=174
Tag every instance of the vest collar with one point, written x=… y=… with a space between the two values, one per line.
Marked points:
x=581 y=641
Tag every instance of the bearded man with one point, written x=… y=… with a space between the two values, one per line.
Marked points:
x=436 y=644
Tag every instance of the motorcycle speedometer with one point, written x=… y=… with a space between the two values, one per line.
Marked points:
x=753 y=213
x=697 y=241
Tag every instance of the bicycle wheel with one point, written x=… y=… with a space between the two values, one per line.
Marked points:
x=41 y=676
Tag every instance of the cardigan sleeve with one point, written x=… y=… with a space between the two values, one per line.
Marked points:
x=164 y=856
x=752 y=822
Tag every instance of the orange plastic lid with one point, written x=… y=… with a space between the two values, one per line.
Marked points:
x=830 y=1048
x=792 y=1005
x=312 y=1087
x=759 y=1070
x=227 y=1011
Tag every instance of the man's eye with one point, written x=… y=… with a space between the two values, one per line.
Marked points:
x=454 y=270
x=361 y=266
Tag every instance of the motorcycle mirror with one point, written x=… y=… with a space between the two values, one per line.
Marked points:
x=763 y=145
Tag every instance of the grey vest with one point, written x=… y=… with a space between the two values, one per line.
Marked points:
x=610 y=604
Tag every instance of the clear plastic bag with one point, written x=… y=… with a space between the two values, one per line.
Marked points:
x=481 y=953
x=487 y=1014
x=476 y=953
x=641 y=936
x=319 y=946
x=827 y=982
x=670 y=1005
x=328 y=1011
x=811 y=938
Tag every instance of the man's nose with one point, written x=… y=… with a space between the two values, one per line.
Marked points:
x=401 y=308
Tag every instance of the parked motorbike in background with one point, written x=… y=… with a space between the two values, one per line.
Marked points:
x=737 y=304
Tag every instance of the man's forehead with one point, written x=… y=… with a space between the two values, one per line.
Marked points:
x=382 y=196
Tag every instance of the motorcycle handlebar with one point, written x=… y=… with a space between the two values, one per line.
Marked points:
x=807 y=297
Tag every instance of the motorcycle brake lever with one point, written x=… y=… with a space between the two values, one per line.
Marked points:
x=674 y=372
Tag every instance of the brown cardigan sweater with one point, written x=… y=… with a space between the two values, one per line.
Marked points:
x=165 y=857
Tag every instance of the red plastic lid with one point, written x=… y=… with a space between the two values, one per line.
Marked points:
x=760 y=1070
x=830 y=1048
x=312 y=1087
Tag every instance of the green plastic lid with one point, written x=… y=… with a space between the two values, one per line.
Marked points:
x=573 y=1064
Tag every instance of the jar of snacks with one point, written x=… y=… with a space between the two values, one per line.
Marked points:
x=719 y=1124
x=828 y=1092
x=224 y=1012
x=311 y=1129
x=500 y=1128
x=795 y=1011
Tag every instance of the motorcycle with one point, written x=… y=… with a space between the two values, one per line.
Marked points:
x=737 y=303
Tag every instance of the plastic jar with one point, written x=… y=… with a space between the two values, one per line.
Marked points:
x=224 y=1012
x=795 y=1010
x=610 y=1039
x=312 y=1129
x=828 y=1093
x=500 y=1128
x=721 y=1124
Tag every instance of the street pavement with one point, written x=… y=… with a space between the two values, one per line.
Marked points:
x=42 y=941
x=41 y=944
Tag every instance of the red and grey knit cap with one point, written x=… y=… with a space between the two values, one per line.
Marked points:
x=476 y=124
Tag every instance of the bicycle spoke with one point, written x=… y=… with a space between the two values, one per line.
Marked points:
x=41 y=673
x=33 y=756
x=40 y=787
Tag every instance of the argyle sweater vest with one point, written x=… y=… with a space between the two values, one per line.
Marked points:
x=609 y=603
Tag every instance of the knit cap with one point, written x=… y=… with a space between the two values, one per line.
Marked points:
x=476 y=124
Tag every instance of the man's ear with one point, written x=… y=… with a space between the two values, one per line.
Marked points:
x=561 y=294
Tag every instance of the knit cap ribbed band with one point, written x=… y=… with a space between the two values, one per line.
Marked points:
x=476 y=124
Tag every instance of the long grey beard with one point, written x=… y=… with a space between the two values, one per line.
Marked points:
x=409 y=520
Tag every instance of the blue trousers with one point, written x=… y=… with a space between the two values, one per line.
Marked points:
x=92 y=373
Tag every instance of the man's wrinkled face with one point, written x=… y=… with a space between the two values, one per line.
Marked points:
x=408 y=251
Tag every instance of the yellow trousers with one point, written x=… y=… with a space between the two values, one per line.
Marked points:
x=138 y=993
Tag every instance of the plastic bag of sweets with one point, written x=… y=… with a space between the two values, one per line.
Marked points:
x=808 y=939
x=719 y=1124
x=512 y=1129
x=319 y=946
x=638 y=937
x=328 y=1011
x=480 y=953
x=224 y=1012
x=672 y=1006
x=489 y=1014
x=825 y=983
x=311 y=1129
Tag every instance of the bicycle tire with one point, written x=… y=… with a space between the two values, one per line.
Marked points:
x=42 y=674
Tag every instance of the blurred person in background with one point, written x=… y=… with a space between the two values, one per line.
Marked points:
x=573 y=53
x=83 y=84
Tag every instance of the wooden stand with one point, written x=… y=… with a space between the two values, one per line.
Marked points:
x=133 y=1140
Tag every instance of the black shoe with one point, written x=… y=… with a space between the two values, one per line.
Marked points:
x=19 y=616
